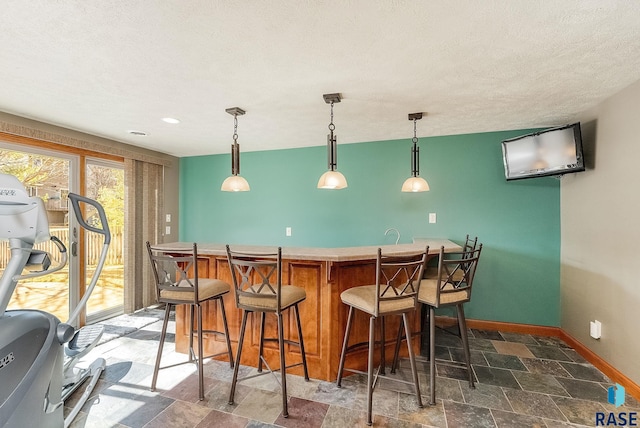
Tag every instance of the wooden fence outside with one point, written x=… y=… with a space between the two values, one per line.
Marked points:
x=94 y=243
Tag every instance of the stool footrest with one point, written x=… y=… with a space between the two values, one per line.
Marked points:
x=275 y=339
x=193 y=361
x=268 y=371
x=378 y=375
x=365 y=345
x=220 y=333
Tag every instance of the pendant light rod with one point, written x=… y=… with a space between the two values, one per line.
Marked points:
x=332 y=140
x=235 y=147
x=415 y=183
x=235 y=182
x=415 y=160
x=235 y=158
x=332 y=151
x=332 y=179
x=415 y=150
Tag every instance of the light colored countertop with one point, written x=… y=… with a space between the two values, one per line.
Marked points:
x=336 y=254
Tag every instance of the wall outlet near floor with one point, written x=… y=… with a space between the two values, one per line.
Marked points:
x=288 y=231
x=432 y=217
x=167 y=230
x=595 y=329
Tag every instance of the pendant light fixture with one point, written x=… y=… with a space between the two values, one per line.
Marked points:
x=415 y=183
x=332 y=179
x=235 y=182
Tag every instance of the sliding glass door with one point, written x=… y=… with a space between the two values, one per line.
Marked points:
x=50 y=176
x=104 y=182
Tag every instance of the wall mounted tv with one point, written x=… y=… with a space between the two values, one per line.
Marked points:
x=554 y=151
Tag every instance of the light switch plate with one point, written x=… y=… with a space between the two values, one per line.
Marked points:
x=432 y=217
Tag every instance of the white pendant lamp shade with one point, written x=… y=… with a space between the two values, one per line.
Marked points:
x=235 y=182
x=332 y=179
x=415 y=183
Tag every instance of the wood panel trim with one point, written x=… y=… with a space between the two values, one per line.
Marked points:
x=538 y=330
x=316 y=268
x=611 y=372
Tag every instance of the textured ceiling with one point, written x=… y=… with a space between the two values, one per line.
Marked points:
x=106 y=67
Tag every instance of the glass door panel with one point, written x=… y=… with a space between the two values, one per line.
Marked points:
x=105 y=183
x=50 y=177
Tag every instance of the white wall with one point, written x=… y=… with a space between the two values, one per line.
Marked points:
x=600 y=223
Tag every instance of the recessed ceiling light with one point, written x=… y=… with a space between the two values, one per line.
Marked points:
x=138 y=133
x=170 y=120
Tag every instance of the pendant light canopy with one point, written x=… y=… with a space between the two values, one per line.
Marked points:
x=332 y=179
x=415 y=183
x=235 y=182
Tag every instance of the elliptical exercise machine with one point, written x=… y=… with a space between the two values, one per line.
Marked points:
x=38 y=353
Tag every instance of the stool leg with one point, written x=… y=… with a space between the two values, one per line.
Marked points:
x=396 y=353
x=412 y=359
x=344 y=347
x=160 y=346
x=426 y=331
x=226 y=330
x=238 y=354
x=383 y=339
x=424 y=321
x=462 y=324
x=192 y=355
x=372 y=343
x=301 y=342
x=200 y=356
x=261 y=346
x=432 y=356
x=283 y=367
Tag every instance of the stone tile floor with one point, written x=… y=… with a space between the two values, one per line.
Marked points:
x=522 y=381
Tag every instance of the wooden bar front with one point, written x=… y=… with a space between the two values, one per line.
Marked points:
x=323 y=315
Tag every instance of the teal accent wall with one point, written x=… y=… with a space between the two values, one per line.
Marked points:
x=518 y=278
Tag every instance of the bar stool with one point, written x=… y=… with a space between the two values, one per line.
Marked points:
x=178 y=283
x=257 y=280
x=394 y=293
x=451 y=287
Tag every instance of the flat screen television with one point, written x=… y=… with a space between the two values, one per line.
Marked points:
x=554 y=151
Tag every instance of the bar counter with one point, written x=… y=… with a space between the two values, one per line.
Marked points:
x=324 y=273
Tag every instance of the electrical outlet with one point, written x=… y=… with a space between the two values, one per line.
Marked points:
x=288 y=231
x=595 y=329
x=432 y=217
x=168 y=218
x=167 y=230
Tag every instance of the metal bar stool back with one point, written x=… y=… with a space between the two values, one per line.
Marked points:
x=468 y=246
